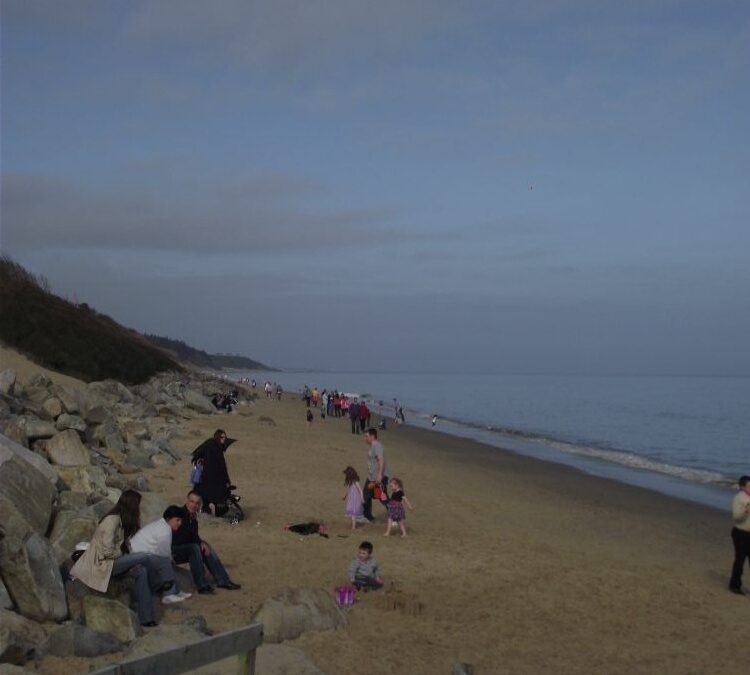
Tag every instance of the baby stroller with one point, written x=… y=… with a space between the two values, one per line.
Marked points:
x=232 y=510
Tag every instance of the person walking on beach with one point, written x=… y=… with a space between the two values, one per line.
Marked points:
x=353 y=496
x=377 y=471
x=740 y=534
x=214 y=485
x=396 y=511
x=354 y=415
x=364 y=416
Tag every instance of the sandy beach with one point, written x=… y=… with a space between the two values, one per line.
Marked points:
x=511 y=564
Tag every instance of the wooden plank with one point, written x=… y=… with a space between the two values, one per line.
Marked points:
x=243 y=641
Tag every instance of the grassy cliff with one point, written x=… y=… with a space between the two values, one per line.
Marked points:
x=71 y=339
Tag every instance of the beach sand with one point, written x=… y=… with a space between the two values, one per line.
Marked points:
x=511 y=564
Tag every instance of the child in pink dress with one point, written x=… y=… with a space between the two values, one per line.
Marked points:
x=353 y=496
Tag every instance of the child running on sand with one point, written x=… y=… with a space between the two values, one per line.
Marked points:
x=353 y=496
x=309 y=418
x=363 y=570
x=396 y=511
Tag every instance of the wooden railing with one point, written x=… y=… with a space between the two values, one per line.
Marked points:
x=241 y=642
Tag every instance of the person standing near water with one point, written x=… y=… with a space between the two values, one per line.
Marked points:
x=740 y=534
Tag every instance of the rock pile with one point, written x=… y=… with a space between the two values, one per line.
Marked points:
x=66 y=454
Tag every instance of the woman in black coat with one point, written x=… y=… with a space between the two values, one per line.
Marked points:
x=214 y=485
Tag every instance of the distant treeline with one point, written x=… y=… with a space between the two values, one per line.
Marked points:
x=69 y=338
x=187 y=354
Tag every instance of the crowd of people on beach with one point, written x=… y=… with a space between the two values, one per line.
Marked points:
x=123 y=547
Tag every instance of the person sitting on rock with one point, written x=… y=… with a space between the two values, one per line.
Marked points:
x=155 y=539
x=188 y=547
x=107 y=557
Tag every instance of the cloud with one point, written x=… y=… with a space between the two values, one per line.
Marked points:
x=251 y=214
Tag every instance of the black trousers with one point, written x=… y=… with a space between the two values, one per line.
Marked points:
x=367 y=495
x=355 y=425
x=741 y=540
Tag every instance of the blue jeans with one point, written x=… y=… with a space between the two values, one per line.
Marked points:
x=191 y=553
x=139 y=567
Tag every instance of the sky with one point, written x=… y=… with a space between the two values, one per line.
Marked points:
x=536 y=186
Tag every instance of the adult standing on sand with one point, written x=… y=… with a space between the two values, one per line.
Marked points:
x=740 y=534
x=377 y=470
x=214 y=485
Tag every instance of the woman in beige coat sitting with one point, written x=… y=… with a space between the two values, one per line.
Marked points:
x=107 y=555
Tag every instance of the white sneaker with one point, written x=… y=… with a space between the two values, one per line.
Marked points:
x=184 y=595
x=172 y=598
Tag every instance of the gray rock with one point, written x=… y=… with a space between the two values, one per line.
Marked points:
x=69 y=528
x=87 y=479
x=5 y=601
x=102 y=508
x=65 y=449
x=164 y=636
x=114 y=441
x=7 y=382
x=98 y=415
x=112 y=391
x=15 y=430
x=162 y=459
x=32 y=576
x=11 y=669
x=19 y=637
x=52 y=408
x=198 y=623
x=198 y=402
x=138 y=457
x=35 y=394
x=106 y=615
x=75 y=640
x=40 y=380
x=35 y=428
x=135 y=431
x=69 y=398
x=72 y=501
x=68 y=421
x=284 y=660
x=152 y=507
x=297 y=610
x=27 y=490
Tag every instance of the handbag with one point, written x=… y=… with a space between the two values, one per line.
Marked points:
x=196 y=473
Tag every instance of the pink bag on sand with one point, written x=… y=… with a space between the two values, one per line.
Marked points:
x=345 y=595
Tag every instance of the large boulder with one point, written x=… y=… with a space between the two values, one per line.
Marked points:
x=7 y=382
x=86 y=479
x=275 y=659
x=68 y=421
x=69 y=528
x=163 y=637
x=36 y=429
x=198 y=402
x=65 y=448
x=27 y=490
x=152 y=507
x=98 y=414
x=5 y=601
x=31 y=573
x=135 y=431
x=75 y=640
x=297 y=610
x=70 y=399
x=19 y=637
x=111 y=391
x=76 y=592
x=52 y=408
x=106 y=615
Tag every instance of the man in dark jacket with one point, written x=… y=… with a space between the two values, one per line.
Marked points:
x=188 y=547
x=354 y=415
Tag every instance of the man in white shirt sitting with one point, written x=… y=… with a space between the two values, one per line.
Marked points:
x=156 y=540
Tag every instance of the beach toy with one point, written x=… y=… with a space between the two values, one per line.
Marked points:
x=345 y=595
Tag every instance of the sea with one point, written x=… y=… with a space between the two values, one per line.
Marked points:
x=688 y=437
